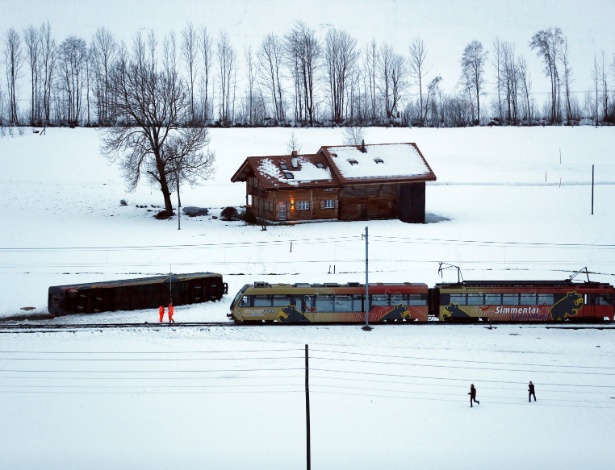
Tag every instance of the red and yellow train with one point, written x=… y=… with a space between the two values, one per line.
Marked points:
x=467 y=301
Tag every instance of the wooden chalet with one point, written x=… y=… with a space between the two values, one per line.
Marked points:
x=348 y=182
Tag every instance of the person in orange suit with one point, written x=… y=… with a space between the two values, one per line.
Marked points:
x=171 y=312
x=161 y=312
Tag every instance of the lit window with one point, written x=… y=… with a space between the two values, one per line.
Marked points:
x=303 y=205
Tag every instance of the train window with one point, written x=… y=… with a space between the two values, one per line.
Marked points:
x=380 y=299
x=343 y=303
x=493 y=299
x=262 y=301
x=281 y=300
x=418 y=299
x=528 y=299
x=546 y=299
x=459 y=299
x=357 y=303
x=476 y=299
x=604 y=299
x=510 y=299
x=324 y=303
x=245 y=301
x=399 y=299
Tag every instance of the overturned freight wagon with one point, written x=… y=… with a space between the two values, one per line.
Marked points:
x=133 y=294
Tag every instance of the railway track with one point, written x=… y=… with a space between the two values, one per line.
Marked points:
x=19 y=327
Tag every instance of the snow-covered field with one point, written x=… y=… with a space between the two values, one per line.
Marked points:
x=509 y=203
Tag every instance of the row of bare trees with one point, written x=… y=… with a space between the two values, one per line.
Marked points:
x=299 y=78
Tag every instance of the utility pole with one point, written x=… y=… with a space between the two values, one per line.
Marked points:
x=307 y=408
x=366 y=304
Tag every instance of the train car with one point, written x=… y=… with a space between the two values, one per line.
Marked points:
x=523 y=301
x=133 y=294
x=330 y=303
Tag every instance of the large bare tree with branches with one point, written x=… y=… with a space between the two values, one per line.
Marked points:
x=151 y=106
x=548 y=44
x=472 y=72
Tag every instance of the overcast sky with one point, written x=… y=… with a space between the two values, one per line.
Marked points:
x=446 y=26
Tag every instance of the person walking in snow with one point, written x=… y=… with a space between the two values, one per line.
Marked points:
x=473 y=395
x=161 y=312
x=531 y=392
x=171 y=313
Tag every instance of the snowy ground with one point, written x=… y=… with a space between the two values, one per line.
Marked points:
x=509 y=203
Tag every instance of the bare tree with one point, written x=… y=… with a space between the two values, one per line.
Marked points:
x=433 y=90
x=392 y=79
x=249 y=113
x=33 y=49
x=370 y=67
x=227 y=71
x=510 y=81
x=103 y=52
x=340 y=56
x=72 y=58
x=416 y=64
x=526 y=87
x=354 y=135
x=269 y=56
x=292 y=144
x=151 y=106
x=548 y=44
x=304 y=53
x=567 y=81
x=48 y=68
x=190 y=41
x=13 y=62
x=207 y=58
x=605 y=88
x=472 y=69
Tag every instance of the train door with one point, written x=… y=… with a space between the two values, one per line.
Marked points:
x=307 y=307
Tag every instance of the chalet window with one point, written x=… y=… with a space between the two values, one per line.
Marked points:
x=328 y=204
x=352 y=161
x=320 y=165
x=328 y=190
x=288 y=175
x=378 y=160
x=283 y=166
x=303 y=205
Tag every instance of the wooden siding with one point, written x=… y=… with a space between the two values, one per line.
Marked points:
x=368 y=202
x=411 y=203
x=301 y=204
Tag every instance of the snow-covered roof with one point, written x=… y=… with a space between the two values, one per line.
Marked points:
x=335 y=166
x=305 y=172
x=379 y=161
